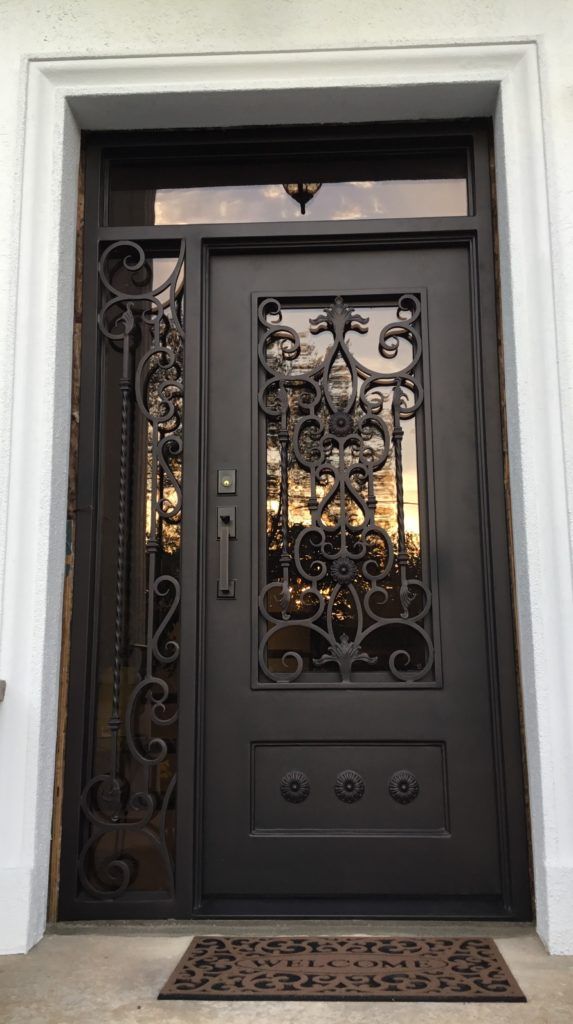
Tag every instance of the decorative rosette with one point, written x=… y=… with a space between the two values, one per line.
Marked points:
x=294 y=787
x=349 y=787
x=343 y=570
x=403 y=787
x=340 y=424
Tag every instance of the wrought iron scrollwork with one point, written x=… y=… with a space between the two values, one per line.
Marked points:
x=144 y=320
x=352 y=578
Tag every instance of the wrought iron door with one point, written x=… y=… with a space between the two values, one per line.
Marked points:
x=293 y=686
x=348 y=663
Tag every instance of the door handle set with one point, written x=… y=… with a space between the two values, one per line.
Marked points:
x=226 y=530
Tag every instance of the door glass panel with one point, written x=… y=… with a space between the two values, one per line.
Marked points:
x=340 y=402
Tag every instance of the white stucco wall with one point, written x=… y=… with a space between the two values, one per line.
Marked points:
x=108 y=28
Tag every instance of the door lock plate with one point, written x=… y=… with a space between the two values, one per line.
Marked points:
x=226 y=481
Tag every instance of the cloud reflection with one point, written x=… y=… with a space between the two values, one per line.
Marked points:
x=348 y=200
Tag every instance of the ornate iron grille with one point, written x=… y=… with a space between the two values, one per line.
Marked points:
x=128 y=803
x=343 y=590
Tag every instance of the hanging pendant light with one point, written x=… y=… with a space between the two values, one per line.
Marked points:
x=302 y=192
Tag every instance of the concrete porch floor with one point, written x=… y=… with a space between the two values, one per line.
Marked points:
x=111 y=974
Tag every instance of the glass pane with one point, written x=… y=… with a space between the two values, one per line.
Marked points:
x=344 y=590
x=433 y=185
x=347 y=200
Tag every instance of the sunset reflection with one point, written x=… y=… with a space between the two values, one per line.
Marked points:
x=314 y=351
x=315 y=500
x=346 y=200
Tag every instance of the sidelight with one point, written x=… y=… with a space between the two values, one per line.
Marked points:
x=128 y=800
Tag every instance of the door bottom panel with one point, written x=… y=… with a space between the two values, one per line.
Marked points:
x=376 y=908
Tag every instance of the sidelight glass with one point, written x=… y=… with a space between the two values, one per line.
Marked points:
x=341 y=401
x=128 y=798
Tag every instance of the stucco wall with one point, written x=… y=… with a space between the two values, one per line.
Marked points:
x=106 y=28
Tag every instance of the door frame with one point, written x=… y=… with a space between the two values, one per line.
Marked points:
x=472 y=232
x=65 y=96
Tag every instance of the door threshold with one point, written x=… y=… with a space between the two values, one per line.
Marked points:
x=280 y=926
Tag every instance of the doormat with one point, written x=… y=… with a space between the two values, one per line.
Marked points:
x=437 y=970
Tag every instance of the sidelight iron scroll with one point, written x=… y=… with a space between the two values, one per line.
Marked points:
x=343 y=592
x=128 y=801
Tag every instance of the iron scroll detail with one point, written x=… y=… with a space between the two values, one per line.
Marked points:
x=134 y=791
x=342 y=577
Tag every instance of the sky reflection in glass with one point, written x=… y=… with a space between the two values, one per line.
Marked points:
x=347 y=200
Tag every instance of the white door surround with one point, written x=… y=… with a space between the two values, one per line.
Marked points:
x=62 y=97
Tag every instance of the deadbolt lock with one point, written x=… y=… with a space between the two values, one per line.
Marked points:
x=226 y=481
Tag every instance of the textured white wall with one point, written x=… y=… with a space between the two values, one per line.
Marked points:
x=147 y=27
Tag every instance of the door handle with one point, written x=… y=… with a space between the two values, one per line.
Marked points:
x=226 y=529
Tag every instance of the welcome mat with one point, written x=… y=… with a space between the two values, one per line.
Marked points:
x=448 y=970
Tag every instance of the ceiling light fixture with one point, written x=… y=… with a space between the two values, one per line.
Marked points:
x=302 y=192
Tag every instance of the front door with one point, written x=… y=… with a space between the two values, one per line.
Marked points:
x=350 y=712
x=292 y=679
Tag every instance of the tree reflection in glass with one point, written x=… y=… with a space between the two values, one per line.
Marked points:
x=342 y=515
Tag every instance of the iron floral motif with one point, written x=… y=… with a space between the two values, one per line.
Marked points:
x=349 y=787
x=343 y=570
x=344 y=653
x=340 y=424
x=341 y=445
x=295 y=787
x=403 y=787
x=144 y=321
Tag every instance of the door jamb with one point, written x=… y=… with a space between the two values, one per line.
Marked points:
x=247 y=237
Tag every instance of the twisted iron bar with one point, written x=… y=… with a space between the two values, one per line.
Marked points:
x=126 y=389
x=284 y=498
x=402 y=555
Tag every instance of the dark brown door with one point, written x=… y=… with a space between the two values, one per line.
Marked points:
x=357 y=616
